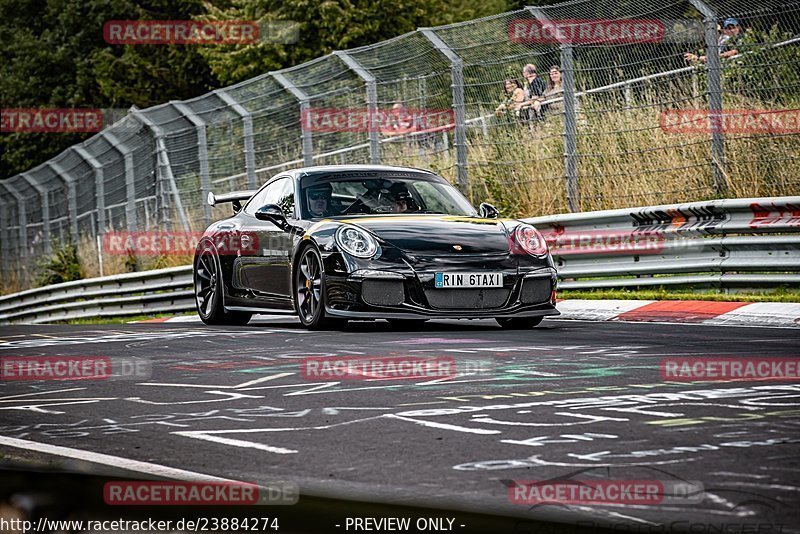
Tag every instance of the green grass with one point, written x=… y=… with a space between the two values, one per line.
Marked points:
x=120 y=320
x=777 y=295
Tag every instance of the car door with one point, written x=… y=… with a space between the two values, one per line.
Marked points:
x=265 y=247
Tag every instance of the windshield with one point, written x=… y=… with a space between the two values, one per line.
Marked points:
x=379 y=196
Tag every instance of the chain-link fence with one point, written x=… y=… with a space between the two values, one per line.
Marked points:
x=635 y=102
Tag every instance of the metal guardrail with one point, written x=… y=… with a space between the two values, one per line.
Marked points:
x=149 y=292
x=752 y=242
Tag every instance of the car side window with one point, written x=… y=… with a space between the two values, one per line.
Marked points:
x=283 y=196
x=280 y=192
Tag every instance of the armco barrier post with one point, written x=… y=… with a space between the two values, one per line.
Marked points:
x=130 y=178
x=457 y=78
x=372 y=103
x=22 y=218
x=4 y=244
x=570 y=129
x=202 y=154
x=247 y=121
x=99 y=188
x=305 y=107
x=164 y=169
x=570 y=118
x=34 y=183
x=72 y=199
x=714 y=65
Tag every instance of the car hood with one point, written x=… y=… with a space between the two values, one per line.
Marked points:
x=438 y=234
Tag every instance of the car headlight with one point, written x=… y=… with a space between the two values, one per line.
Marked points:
x=530 y=240
x=356 y=242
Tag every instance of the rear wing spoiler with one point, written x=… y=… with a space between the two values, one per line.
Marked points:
x=234 y=197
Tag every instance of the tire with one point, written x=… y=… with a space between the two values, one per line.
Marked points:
x=407 y=324
x=208 y=291
x=309 y=292
x=518 y=323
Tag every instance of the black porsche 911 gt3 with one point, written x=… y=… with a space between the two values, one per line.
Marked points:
x=369 y=242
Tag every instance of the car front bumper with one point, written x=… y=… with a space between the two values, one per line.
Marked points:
x=411 y=293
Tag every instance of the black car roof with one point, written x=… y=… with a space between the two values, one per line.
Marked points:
x=324 y=172
x=325 y=169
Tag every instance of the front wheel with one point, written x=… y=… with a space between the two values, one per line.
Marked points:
x=309 y=292
x=518 y=323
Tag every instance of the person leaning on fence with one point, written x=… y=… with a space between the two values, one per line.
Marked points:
x=399 y=121
x=513 y=98
x=728 y=36
x=534 y=88
x=555 y=89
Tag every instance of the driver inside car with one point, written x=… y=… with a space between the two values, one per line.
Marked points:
x=319 y=200
x=401 y=198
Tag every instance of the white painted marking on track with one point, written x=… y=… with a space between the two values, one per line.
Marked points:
x=444 y=426
x=113 y=461
x=212 y=386
x=235 y=442
x=229 y=396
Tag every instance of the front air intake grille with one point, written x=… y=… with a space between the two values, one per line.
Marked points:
x=467 y=299
x=536 y=290
x=383 y=292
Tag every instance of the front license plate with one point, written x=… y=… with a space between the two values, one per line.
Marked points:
x=451 y=280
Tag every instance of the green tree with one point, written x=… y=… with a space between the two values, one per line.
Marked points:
x=325 y=26
x=52 y=54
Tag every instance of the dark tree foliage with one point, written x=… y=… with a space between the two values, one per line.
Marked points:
x=53 y=54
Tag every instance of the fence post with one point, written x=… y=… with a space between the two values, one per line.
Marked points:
x=570 y=129
x=99 y=188
x=4 y=244
x=305 y=106
x=570 y=119
x=714 y=66
x=202 y=155
x=457 y=76
x=247 y=120
x=72 y=199
x=34 y=183
x=130 y=178
x=22 y=218
x=164 y=169
x=372 y=103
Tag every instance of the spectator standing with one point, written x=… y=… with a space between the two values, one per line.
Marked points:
x=534 y=89
x=728 y=37
x=555 y=89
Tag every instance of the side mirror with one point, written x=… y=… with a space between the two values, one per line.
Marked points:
x=487 y=211
x=273 y=214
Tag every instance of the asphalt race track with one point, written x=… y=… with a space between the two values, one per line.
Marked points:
x=568 y=400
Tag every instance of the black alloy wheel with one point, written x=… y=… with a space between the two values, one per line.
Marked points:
x=309 y=296
x=208 y=291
